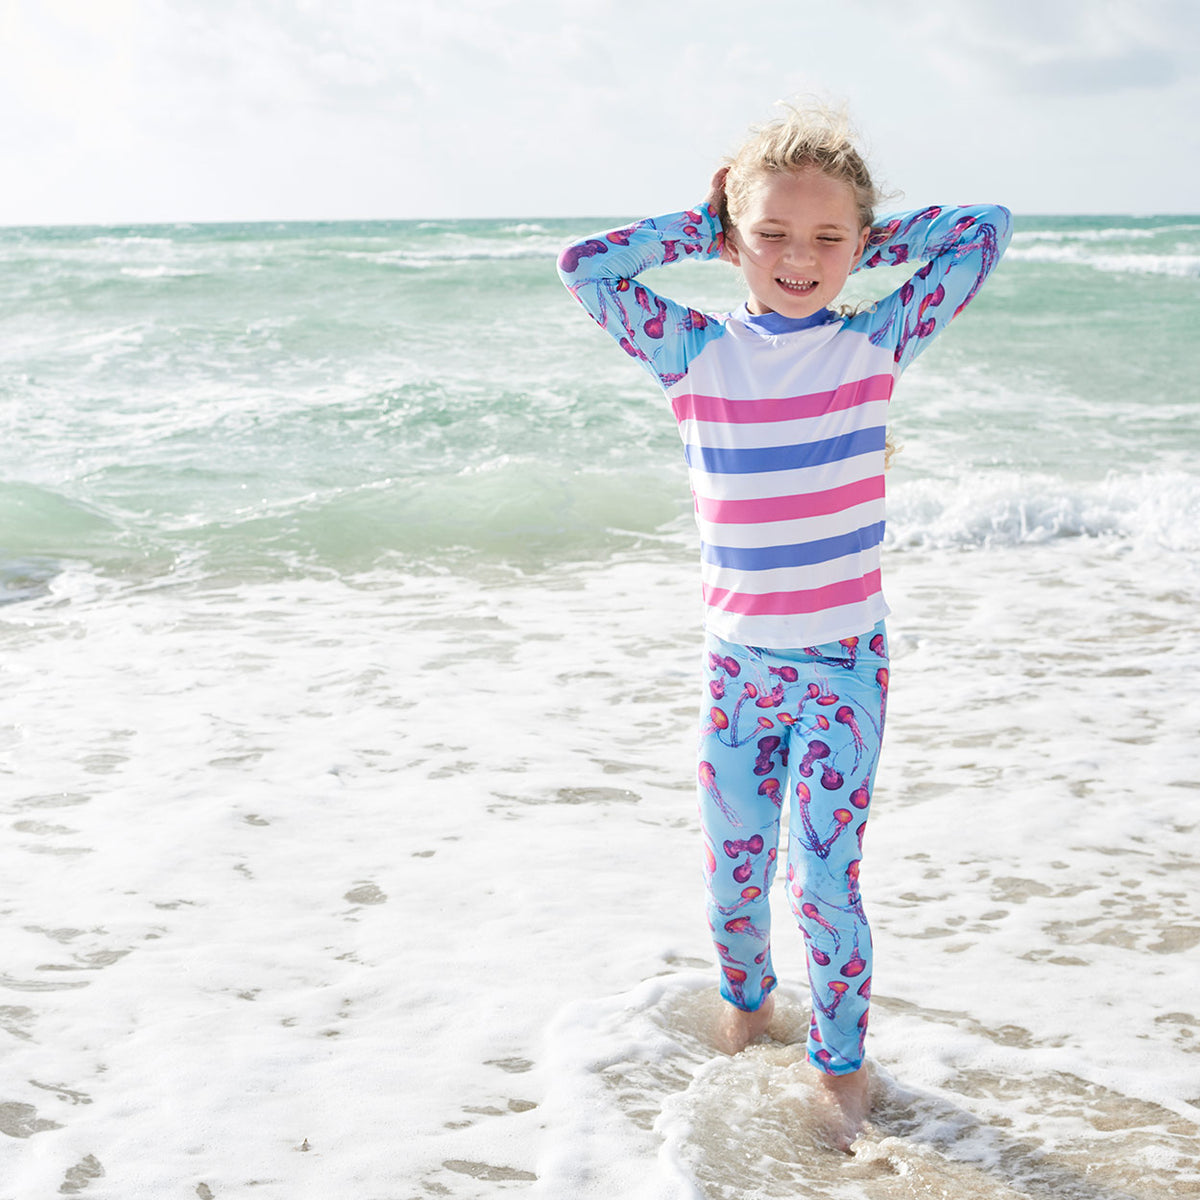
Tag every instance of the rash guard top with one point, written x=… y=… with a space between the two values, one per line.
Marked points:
x=783 y=420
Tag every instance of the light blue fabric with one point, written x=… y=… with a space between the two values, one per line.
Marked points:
x=802 y=728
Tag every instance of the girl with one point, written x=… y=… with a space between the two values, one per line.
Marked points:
x=782 y=408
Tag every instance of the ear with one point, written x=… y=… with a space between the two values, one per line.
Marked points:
x=862 y=246
x=732 y=247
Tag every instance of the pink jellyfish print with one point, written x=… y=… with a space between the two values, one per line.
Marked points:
x=748 y=895
x=815 y=750
x=845 y=716
x=707 y=775
x=730 y=666
x=770 y=789
x=814 y=914
x=810 y=693
x=721 y=666
x=737 y=981
x=654 y=326
x=855 y=965
x=620 y=237
x=569 y=259
x=839 y=988
x=926 y=325
x=793 y=883
x=751 y=845
x=831 y=780
x=810 y=839
x=766 y=748
x=745 y=927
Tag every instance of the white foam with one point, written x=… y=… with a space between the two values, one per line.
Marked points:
x=407 y=869
x=1006 y=508
x=1176 y=264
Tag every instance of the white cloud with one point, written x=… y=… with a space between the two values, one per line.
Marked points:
x=117 y=110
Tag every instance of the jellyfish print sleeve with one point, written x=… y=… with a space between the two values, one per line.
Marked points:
x=957 y=249
x=601 y=272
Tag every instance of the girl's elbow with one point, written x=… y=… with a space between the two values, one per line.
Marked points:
x=1002 y=221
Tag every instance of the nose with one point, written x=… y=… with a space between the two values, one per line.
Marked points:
x=801 y=251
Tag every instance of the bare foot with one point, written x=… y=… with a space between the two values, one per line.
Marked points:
x=846 y=1103
x=737 y=1028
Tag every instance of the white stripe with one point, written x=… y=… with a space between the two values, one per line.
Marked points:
x=848 y=620
x=810 y=360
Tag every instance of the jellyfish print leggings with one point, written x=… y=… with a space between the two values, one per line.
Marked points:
x=801 y=728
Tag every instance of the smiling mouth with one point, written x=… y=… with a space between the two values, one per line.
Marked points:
x=800 y=287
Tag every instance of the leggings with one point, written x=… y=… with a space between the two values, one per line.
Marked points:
x=800 y=727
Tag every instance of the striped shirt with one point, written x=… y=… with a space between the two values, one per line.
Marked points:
x=784 y=420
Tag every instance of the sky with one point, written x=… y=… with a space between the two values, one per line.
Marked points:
x=132 y=111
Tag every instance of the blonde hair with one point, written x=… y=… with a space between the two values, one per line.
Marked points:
x=815 y=135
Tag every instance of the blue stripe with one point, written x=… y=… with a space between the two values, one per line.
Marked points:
x=802 y=554
x=717 y=461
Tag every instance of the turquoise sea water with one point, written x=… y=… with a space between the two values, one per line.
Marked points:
x=330 y=397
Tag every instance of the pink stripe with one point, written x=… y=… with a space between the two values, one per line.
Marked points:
x=790 y=508
x=782 y=604
x=783 y=408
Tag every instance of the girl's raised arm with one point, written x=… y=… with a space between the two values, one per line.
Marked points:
x=601 y=272
x=958 y=248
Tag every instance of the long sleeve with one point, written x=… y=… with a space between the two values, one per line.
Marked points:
x=601 y=272
x=958 y=248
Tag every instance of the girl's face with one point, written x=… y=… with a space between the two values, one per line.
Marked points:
x=797 y=241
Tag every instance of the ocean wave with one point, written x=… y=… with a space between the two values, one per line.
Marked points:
x=429 y=258
x=1160 y=510
x=1114 y=234
x=1104 y=234
x=159 y=272
x=1180 y=264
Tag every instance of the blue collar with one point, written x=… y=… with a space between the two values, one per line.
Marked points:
x=774 y=323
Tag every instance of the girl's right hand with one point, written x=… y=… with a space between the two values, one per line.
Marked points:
x=716 y=197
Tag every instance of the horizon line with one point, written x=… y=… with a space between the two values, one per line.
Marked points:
x=184 y=222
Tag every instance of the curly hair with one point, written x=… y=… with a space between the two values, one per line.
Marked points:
x=816 y=135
